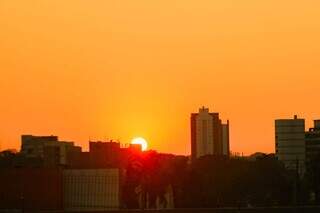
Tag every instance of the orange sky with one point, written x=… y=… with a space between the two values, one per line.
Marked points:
x=119 y=69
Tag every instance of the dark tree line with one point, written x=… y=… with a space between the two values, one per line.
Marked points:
x=213 y=181
x=222 y=182
x=312 y=178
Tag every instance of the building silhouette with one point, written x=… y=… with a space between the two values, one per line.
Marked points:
x=312 y=139
x=209 y=136
x=294 y=146
x=290 y=143
x=48 y=148
x=105 y=153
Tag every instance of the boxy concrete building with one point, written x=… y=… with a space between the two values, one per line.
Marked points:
x=49 y=148
x=290 y=143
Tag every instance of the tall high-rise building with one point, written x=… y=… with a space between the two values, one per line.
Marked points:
x=290 y=143
x=225 y=139
x=208 y=135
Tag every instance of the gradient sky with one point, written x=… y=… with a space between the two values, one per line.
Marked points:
x=119 y=69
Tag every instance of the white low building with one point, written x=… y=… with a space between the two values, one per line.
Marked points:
x=91 y=189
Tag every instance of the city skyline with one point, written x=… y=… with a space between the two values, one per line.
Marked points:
x=116 y=70
x=145 y=144
x=167 y=106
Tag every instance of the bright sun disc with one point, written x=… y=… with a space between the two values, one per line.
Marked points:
x=140 y=141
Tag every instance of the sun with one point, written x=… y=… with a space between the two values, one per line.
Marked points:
x=140 y=141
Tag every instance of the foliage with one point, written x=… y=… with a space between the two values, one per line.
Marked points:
x=215 y=181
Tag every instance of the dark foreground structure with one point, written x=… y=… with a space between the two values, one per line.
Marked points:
x=299 y=209
x=151 y=180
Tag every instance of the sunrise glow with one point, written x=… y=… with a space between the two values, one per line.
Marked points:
x=140 y=141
